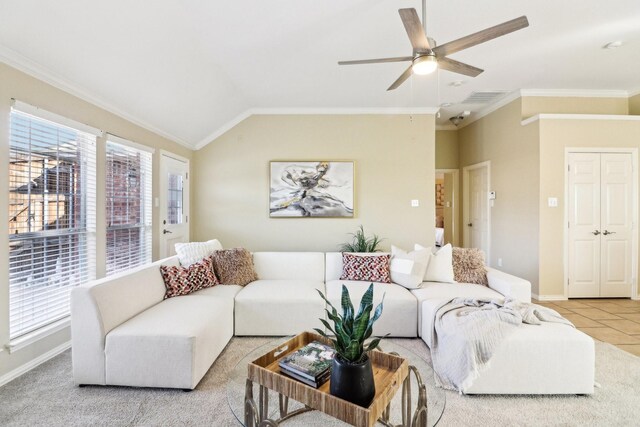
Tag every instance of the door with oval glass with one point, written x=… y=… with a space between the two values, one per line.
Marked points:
x=600 y=224
x=174 y=202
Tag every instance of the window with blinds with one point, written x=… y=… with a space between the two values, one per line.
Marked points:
x=52 y=218
x=128 y=207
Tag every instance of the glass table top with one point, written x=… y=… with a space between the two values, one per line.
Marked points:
x=436 y=397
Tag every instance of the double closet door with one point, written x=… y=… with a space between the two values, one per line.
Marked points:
x=600 y=224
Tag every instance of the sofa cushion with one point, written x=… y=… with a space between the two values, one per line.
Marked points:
x=400 y=312
x=227 y=292
x=432 y=294
x=468 y=266
x=289 y=265
x=408 y=268
x=192 y=252
x=183 y=280
x=172 y=344
x=366 y=267
x=234 y=266
x=279 y=307
x=440 y=268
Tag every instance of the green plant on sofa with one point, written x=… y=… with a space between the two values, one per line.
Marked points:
x=360 y=243
x=352 y=329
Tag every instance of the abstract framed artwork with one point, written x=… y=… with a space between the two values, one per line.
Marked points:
x=308 y=189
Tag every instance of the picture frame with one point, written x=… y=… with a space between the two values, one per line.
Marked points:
x=312 y=189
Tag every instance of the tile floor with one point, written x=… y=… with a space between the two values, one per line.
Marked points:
x=616 y=321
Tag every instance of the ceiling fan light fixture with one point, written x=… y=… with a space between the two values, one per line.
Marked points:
x=424 y=64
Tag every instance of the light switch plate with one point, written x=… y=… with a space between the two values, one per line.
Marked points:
x=415 y=203
x=553 y=202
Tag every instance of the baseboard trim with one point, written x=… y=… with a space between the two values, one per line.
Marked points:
x=549 y=297
x=12 y=375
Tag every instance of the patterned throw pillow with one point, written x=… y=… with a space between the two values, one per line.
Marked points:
x=468 y=266
x=185 y=280
x=234 y=266
x=369 y=268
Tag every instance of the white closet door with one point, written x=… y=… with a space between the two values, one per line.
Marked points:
x=584 y=224
x=616 y=221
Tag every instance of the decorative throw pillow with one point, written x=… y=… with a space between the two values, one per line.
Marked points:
x=234 y=266
x=185 y=280
x=369 y=268
x=408 y=269
x=468 y=266
x=440 y=268
x=192 y=252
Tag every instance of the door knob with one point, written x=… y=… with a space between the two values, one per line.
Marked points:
x=166 y=232
x=470 y=225
x=595 y=232
x=607 y=232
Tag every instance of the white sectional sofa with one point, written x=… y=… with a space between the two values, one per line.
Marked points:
x=284 y=300
x=125 y=333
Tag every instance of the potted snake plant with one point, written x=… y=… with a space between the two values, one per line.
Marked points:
x=351 y=372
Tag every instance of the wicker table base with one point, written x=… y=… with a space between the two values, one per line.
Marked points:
x=256 y=415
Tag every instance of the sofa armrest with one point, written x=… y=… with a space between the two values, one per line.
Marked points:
x=509 y=285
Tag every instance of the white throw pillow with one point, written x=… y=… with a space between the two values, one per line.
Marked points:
x=440 y=268
x=192 y=252
x=408 y=268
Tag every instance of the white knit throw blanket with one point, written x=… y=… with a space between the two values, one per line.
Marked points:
x=467 y=332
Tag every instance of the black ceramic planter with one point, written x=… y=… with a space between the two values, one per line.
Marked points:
x=353 y=381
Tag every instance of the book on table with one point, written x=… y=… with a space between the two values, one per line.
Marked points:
x=310 y=364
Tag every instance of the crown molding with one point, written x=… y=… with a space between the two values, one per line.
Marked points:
x=446 y=127
x=309 y=111
x=580 y=117
x=575 y=93
x=34 y=69
x=634 y=92
x=507 y=99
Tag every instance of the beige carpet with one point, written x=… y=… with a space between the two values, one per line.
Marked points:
x=46 y=396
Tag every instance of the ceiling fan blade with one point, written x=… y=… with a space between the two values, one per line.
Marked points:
x=481 y=36
x=458 y=67
x=376 y=61
x=414 y=30
x=404 y=76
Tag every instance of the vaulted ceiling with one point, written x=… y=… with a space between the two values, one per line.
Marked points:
x=188 y=69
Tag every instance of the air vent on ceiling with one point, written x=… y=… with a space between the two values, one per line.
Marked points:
x=485 y=97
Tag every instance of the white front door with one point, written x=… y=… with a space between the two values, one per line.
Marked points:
x=478 y=215
x=600 y=224
x=174 y=203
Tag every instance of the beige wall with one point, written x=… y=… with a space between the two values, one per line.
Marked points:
x=532 y=105
x=634 y=105
x=512 y=150
x=447 y=151
x=394 y=155
x=15 y=84
x=555 y=136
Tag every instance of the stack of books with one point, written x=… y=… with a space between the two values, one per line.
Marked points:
x=310 y=364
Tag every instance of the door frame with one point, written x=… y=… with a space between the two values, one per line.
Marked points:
x=455 y=207
x=634 y=229
x=465 y=205
x=162 y=188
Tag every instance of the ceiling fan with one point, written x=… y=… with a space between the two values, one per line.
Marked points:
x=427 y=56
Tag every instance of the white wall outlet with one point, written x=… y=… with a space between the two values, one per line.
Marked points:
x=492 y=195
x=553 y=202
x=499 y=262
x=415 y=203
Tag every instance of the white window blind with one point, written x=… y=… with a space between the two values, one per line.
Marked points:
x=52 y=218
x=128 y=187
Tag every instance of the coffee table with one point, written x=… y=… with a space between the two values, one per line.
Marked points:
x=291 y=413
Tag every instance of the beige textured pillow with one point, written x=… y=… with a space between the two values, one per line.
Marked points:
x=468 y=266
x=234 y=266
